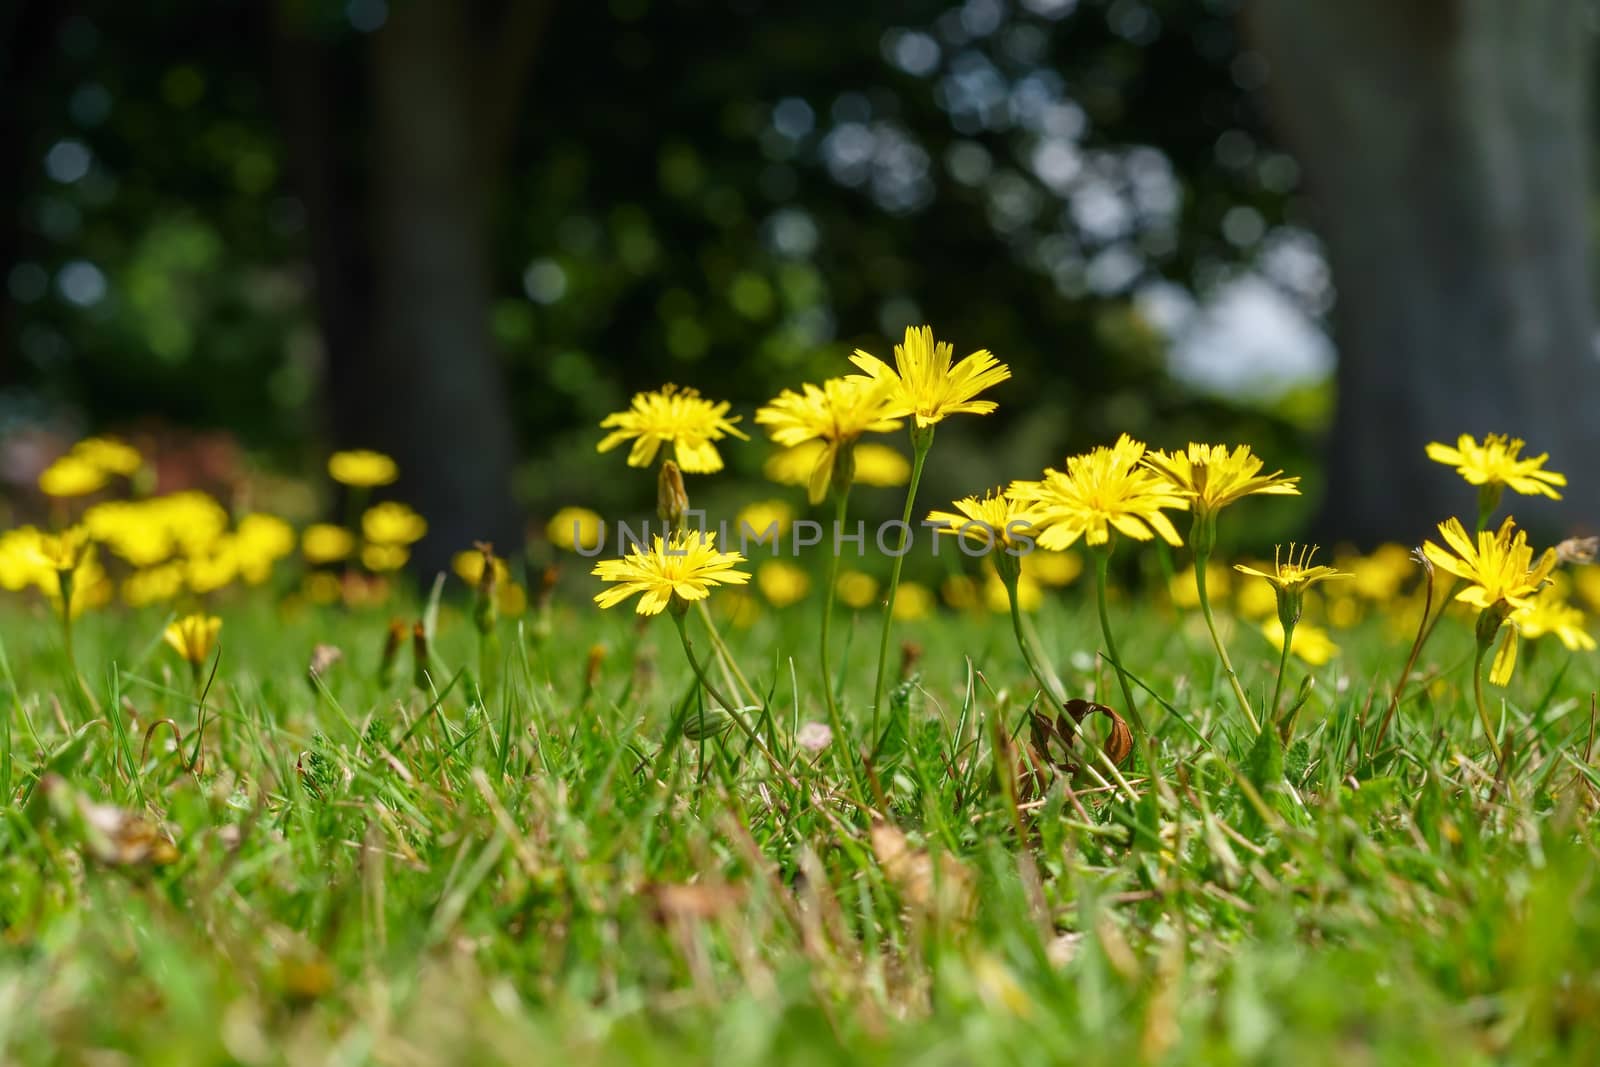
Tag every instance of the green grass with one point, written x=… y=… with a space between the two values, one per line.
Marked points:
x=372 y=874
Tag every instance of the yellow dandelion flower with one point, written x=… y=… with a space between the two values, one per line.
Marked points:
x=212 y=569
x=323 y=542
x=764 y=518
x=193 y=637
x=109 y=454
x=1499 y=568
x=1293 y=573
x=914 y=601
x=575 y=528
x=362 y=468
x=468 y=566
x=1549 y=613
x=1255 y=600
x=64 y=552
x=1311 y=643
x=1587 y=581
x=835 y=414
x=856 y=589
x=782 y=583
x=1030 y=595
x=1381 y=574
x=1497 y=462
x=1052 y=568
x=669 y=573
x=1212 y=476
x=71 y=476
x=1100 y=491
x=879 y=466
x=380 y=558
x=1186 y=594
x=923 y=383
x=393 y=523
x=261 y=540
x=672 y=416
x=153 y=585
x=992 y=521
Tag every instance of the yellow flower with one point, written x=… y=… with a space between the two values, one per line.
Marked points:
x=1294 y=574
x=153 y=585
x=763 y=518
x=64 y=552
x=1052 y=568
x=1311 y=643
x=259 y=541
x=835 y=414
x=392 y=523
x=669 y=573
x=1500 y=569
x=782 y=583
x=856 y=589
x=323 y=543
x=1212 y=477
x=924 y=385
x=380 y=558
x=574 y=528
x=468 y=566
x=362 y=468
x=213 y=568
x=1029 y=594
x=71 y=476
x=1587 y=580
x=195 y=520
x=914 y=601
x=1101 y=490
x=993 y=521
x=961 y=592
x=1381 y=574
x=193 y=637
x=134 y=530
x=1496 y=463
x=109 y=454
x=672 y=416
x=879 y=466
x=1186 y=594
x=1255 y=600
x=1549 y=613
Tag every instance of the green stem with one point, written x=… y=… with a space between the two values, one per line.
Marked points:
x=1102 y=560
x=731 y=674
x=727 y=705
x=1483 y=712
x=1283 y=669
x=921 y=442
x=843 y=747
x=1200 y=561
x=1043 y=675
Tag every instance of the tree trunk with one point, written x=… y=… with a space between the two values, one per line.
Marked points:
x=432 y=394
x=1445 y=145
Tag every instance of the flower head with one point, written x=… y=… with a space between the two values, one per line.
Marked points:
x=574 y=527
x=1100 y=491
x=925 y=386
x=1497 y=462
x=1549 y=613
x=362 y=468
x=1290 y=578
x=193 y=637
x=782 y=583
x=836 y=413
x=669 y=573
x=110 y=454
x=71 y=476
x=1310 y=643
x=1211 y=477
x=64 y=552
x=672 y=416
x=392 y=523
x=324 y=542
x=1499 y=568
x=993 y=520
x=880 y=466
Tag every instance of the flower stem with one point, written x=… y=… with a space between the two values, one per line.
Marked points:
x=1041 y=673
x=842 y=744
x=1483 y=712
x=731 y=674
x=1102 y=560
x=1283 y=669
x=1200 y=561
x=921 y=442
x=727 y=705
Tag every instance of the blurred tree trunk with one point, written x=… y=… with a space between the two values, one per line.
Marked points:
x=402 y=248
x=1445 y=144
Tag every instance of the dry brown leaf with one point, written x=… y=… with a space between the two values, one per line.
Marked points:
x=693 y=901
x=946 y=889
x=121 y=838
x=1061 y=735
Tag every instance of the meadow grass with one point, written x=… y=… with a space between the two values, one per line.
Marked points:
x=578 y=865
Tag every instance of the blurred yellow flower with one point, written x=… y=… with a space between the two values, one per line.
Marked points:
x=1184 y=592
x=672 y=416
x=782 y=583
x=1587 y=582
x=1381 y=574
x=380 y=558
x=468 y=566
x=1103 y=490
x=1254 y=600
x=110 y=454
x=576 y=528
x=1344 y=612
x=1029 y=595
x=1497 y=462
x=834 y=414
x=669 y=573
x=259 y=541
x=856 y=589
x=323 y=542
x=213 y=569
x=392 y=523
x=914 y=601
x=961 y=592
x=71 y=476
x=193 y=637
x=362 y=468
x=153 y=585
x=21 y=562
x=1549 y=613
x=134 y=530
x=924 y=385
x=763 y=519
x=879 y=466
x=1052 y=568
x=1311 y=643
x=64 y=552
x=510 y=599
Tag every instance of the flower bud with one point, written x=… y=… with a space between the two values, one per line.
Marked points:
x=672 y=500
x=485 y=612
x=419 y=658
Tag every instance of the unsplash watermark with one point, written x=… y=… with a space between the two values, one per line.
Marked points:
x=974 y=538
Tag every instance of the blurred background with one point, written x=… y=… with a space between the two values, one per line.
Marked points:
x=245 y=232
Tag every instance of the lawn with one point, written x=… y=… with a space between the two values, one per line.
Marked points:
x=557 y=853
